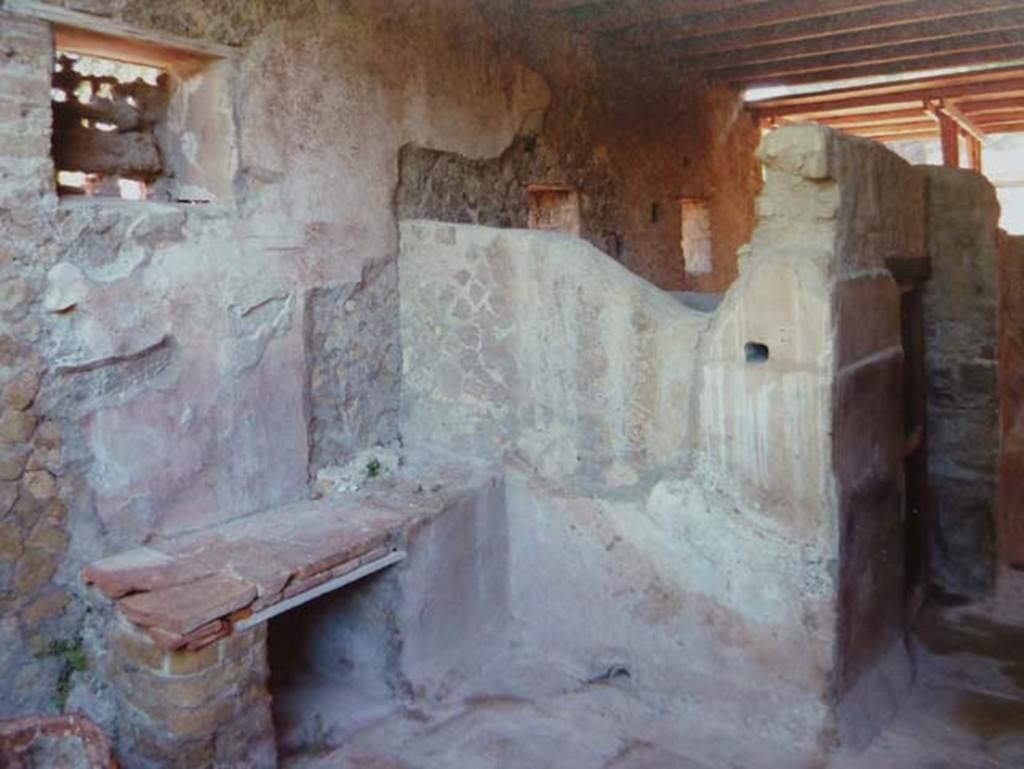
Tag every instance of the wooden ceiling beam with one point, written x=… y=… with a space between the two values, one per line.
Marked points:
x=904 y=99
x=966 y=124
x=624 y=14
x=961 y=123
x=910 y=137
x=963 y=22
x=910 y=86
x=872 y=118
x=734 y=17
x=1005 y=128
x=927 y=124
x=914 y=53
x=971 y=106
x=999 y=117
x=984 y=118
x=557 y=6
x=993 y=55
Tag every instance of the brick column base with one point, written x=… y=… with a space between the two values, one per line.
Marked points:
x=192 y=709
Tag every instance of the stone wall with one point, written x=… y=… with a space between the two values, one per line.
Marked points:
x=165 y=366
x=961 y=324
x=1011 y=402
x=741 y=471
x=632 y=141
x=809 y=433
x=191 y=709
x=34 y=516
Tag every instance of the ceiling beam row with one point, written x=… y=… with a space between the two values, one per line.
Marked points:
x=762 y=42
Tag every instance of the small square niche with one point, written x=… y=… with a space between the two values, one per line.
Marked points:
x=554 y=208
x=696 y=235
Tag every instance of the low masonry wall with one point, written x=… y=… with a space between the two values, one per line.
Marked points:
x=185 y=708
x=766 y=433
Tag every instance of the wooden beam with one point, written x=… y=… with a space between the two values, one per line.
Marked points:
x=865 y=104
x=922 y=136
x=949 y=133
x=992 y=55
x=1004 y=128
x=925 y=36
x=846 y=31
x=1006 y=116
x=908 y=88
x=965 y=123
x=132 y=154
x=623 y=14
x=927 y=49
x=96 y=27
x=973 y=153
x=873 y=118
x=994 y=125
x=975 y=106
x=732 y=18
x=556 y=6
x=926 y=124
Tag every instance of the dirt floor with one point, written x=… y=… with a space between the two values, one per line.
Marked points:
x=966 y=711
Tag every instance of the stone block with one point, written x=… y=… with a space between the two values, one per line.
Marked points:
x=184 y=608
x=803 y=150
x=965 y=540
x=138 y=649
x=155 y=694
x=12 y=461
x=196 y=722
x=240 y=645
x=40 y=484
x=16 y=426
x=19 y=393
x=8 y=496
x=142 y=569
x=46 y=607
x=71 y=740
x=11 y=545
x=34 y=571
x=184 y=663
x=49 y=538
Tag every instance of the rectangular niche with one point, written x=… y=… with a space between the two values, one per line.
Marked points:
x=554 y=208
x=696 y=235
x=137 y=119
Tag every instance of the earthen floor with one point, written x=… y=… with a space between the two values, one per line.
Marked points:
x=965 y=711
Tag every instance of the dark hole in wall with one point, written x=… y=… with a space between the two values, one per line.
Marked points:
x=333 y=665
x=755 y=352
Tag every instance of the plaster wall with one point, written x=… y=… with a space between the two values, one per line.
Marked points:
x=169 y=365
x=538 y=343
x=703 y=471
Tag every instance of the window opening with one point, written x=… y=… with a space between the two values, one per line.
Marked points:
x=105 y=115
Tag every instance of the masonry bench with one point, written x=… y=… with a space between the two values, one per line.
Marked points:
x=191 y=590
